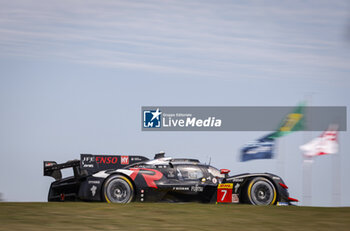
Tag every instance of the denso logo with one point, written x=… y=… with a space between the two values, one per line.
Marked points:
x=106 y=159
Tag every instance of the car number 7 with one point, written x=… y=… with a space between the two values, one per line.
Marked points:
x=225 y=192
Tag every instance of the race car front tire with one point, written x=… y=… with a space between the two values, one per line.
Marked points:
x=261 y=191
x=118 y=189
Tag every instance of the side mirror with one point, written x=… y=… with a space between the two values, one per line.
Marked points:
x=225 y=171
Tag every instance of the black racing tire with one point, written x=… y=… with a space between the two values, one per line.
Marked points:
x=261 y=191
x=118 y=189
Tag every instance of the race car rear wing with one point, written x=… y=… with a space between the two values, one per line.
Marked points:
x=90 y=164
x=51 y=168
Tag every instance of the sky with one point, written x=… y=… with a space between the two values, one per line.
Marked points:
x=75 y=74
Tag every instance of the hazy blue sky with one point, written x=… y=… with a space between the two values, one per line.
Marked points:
x=74 y=75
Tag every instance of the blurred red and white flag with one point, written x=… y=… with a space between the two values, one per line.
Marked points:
x=325 y=144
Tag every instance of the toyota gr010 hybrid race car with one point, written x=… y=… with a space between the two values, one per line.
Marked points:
x=123 y=179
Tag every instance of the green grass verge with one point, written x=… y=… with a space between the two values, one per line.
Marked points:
x=163 y=216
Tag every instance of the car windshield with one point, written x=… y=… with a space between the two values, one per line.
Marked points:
x=215 y=172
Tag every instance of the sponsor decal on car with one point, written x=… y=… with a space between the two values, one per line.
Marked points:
x=106 y=159
x=181 y=188
x=93 y=190
x=224 y=193
x=87 y=165
x=87 y=162
x=235 y=198
x=124 y=159
x=236 y=187
x=196 y=188
x=136 y=159
x=94 y=182
x=225 y=186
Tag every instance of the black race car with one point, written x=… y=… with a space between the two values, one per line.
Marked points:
x=123 y=179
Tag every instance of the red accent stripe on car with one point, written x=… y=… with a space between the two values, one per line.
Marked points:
x=135 y=172
x=283 y=185
x=150 y=179
x=150 y=175
x=293 y=199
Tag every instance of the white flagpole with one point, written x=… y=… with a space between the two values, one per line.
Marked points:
x=336 y=177
x=280 y=160
x=307 y=181
x=307 y=161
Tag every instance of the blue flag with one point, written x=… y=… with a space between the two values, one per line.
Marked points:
x=258 y=149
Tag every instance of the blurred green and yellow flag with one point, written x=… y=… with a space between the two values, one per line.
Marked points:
x=292 y=122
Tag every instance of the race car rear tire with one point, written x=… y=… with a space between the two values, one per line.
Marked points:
x=261 y=191
x=118 y=189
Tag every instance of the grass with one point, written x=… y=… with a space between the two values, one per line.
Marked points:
x=162 y=216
